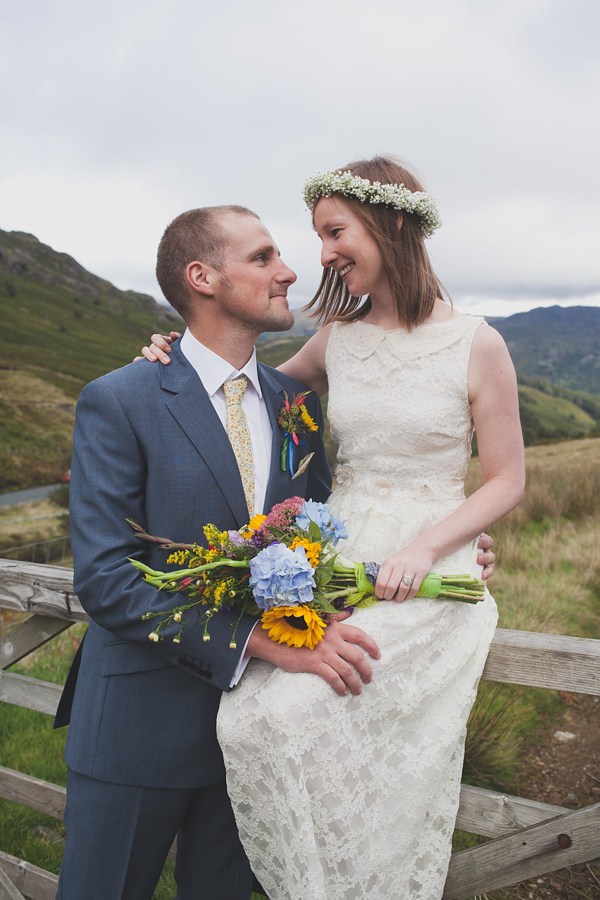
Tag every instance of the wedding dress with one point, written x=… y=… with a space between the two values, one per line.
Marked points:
x=354 y=798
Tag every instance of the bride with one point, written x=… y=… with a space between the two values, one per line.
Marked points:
x=355 y=797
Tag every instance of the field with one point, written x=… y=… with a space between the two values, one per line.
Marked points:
x=548 y=579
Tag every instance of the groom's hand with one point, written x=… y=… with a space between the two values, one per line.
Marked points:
x=338 y=659
x=487 y=557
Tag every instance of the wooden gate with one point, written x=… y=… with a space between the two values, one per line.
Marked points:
x=529 y=838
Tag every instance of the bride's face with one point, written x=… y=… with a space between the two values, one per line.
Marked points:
x=349 y=248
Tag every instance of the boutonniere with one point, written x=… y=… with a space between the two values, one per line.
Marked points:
x=295 y=419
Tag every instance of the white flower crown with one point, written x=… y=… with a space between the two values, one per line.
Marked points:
x=394 y=195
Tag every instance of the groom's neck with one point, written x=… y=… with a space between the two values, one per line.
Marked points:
x=235 y=345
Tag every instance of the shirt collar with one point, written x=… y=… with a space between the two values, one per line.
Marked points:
x=212 y=369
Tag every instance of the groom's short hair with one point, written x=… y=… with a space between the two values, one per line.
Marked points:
x=194 y=235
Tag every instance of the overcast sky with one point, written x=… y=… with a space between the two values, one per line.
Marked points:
x=117 y=116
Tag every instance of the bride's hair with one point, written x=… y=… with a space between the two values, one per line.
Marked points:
x=414 y=284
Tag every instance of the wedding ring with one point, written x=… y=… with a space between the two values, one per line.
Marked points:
x=407 y=580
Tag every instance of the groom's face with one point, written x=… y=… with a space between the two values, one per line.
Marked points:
x=254 y=280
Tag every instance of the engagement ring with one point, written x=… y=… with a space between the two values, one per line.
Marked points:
x=407 y=580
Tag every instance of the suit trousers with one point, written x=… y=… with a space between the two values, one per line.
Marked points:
x=124 y=832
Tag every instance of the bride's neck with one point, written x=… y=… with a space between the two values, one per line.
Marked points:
x=383 y=313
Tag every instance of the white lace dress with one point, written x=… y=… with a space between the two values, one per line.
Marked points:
x=355 y=798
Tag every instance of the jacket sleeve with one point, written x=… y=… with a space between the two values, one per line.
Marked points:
x=108 y=484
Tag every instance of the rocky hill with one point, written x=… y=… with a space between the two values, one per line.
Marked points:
x=23 y=255
x=58 y=316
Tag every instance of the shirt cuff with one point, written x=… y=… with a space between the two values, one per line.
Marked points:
x=242 y=662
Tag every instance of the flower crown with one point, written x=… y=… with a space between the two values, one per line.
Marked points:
x=394 y=195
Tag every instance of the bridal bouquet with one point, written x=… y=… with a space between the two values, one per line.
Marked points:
x=281 y=568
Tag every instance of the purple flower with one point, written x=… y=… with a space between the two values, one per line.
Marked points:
x=236 y=539
x=281 y=577
x=330 y=525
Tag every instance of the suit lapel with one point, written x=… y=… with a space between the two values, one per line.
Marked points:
x=280 y=485
x=192 y=408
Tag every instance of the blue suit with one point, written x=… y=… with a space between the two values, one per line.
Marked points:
x=149 y=445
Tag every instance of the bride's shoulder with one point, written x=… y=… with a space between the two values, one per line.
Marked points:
x=489 y=353
x=486 y=337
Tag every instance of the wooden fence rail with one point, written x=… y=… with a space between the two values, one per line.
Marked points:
x=529 y=839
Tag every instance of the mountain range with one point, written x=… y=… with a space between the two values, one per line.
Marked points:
x=557 y=344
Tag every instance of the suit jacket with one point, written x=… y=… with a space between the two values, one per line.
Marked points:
x=149 y=445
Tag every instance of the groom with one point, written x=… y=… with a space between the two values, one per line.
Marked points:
x=150 y=443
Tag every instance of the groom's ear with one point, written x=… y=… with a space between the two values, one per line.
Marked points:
x=201 y=278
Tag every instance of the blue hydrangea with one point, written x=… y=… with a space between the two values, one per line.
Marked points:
x=281 y=577
x=330 y=526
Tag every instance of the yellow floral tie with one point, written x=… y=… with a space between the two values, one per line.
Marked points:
x=239 y=435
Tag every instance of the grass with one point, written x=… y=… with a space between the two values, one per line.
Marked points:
x=548 y=579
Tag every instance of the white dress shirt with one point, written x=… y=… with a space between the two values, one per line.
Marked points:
x=212 y=371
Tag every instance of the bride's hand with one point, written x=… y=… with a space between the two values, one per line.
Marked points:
x=400 y=576
x=160 y=348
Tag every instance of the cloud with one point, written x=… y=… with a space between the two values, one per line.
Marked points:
x=121 y=115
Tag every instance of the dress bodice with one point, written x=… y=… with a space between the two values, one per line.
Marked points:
x=399 y=410
x=398 y=404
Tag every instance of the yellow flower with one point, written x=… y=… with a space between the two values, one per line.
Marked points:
x=253 y=525
x=307 y=419
x=222 y=588
x=296 y=626
x=312 y=550
x=178 y=558
x=214 y=537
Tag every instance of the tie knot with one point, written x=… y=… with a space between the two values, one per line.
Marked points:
x=235 y=389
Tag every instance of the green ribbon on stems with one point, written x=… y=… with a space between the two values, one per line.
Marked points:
x=349 y=581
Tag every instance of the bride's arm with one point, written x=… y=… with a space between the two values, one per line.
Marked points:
x=308 y=364
x=495 y=409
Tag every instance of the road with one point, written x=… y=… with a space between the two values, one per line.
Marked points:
x=24 y=496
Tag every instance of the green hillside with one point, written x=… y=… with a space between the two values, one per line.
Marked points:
x=549 y=413
x=61 y=327
x=57 y=316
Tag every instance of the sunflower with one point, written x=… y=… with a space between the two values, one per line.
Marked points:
x=253 y=525
x=296 y=626
x=307 y=419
